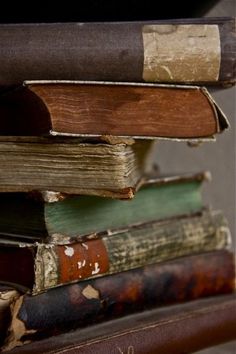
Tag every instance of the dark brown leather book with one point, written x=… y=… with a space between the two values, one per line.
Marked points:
x=100 y=109
x=61 y=309
x=183 y=50
x=176 y=329
x=44 y=266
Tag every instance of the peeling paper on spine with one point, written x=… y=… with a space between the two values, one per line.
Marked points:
x=57 y=265
x=79 y=261
x=181 y=53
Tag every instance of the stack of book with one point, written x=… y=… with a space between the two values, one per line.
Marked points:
x=89 y=232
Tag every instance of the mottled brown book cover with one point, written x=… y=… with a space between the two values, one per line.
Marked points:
x=96 y=300
x=95 y=109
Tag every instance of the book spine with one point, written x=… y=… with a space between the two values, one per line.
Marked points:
x=193 y=331
x=135 y=247
x=138 y=51
x=95 y=300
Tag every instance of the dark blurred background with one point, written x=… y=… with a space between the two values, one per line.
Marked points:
x=102 y=10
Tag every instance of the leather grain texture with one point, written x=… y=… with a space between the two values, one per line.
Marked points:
x=105 y=298
x=178 y=329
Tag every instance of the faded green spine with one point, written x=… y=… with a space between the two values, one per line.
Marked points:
x=86 y=214
x=157 y=242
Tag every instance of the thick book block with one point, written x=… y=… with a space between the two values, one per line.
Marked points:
x=69 y=166
x=96 y=109
x=184 y=50
x=43 y=266
x=59 y=310
x=61 y=218
x=176 y=329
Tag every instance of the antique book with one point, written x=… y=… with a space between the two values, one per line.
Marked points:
x=92 y=301
x=174 y=329
x=184 y=50
x=38 y=267
x=69 y=166
x=117 y=109
x=61 y=218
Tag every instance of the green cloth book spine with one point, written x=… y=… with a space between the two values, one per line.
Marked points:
x=43 y=266
x=71 y=217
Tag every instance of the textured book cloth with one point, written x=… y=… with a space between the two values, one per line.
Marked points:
x=175 y=329
x=100 y=109
x=43 y=266
x=188 y=50
x=61 y=309
x=61 y=218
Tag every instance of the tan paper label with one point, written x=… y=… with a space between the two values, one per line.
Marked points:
x=181 y=53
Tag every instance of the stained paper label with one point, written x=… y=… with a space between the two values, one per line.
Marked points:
x=57 y=265
x=181 y=53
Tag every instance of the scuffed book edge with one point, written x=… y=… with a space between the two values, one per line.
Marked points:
x=45 y=261
x=131 y=326
x=128 y=193
x=50 y=196
x=221 y=119
x=46 y=257
x=54 y=197
x=8 y=296
x=58 y=239
x=17 y=329
x=142 y=157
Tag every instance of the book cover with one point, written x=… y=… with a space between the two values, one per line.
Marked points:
x=193 y=325
x=38 y=267
x=117 y=109
x=61 y=218
x=183 y=50
x=92 y=301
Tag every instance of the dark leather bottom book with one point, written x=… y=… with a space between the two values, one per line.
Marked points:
x=176 y=329
x=92 y=301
